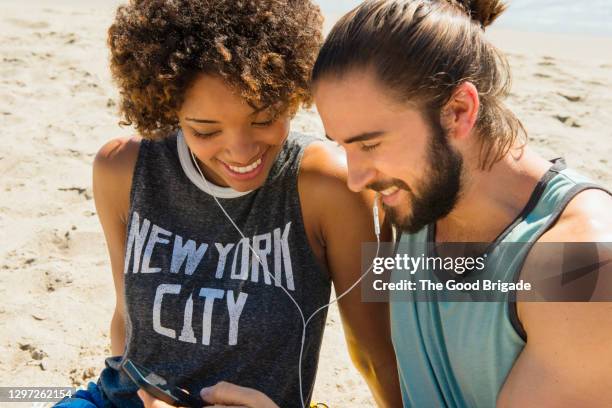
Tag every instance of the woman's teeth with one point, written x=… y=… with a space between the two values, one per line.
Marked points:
x=246 y=169
x=389 y=191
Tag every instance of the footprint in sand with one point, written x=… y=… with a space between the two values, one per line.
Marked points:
x=571 y=98
x=42 y=56
x=595 y=82
x=79 y=377
x=567 y=120
x=82 y=191
x=56 y=279
x=13 y=61
x=70 y=243
x=28 y=24
x=541 y=75
x=36 y=353
x=53 y=242
x=546 y=63
x=70 y=38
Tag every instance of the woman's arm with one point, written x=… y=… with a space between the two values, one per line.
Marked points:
x=112 y=180
x=343 y=221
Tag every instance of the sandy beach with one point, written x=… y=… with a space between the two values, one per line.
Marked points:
x=58 y=106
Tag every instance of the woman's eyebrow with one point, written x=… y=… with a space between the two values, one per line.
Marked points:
x=201 y=120
x=256 y=110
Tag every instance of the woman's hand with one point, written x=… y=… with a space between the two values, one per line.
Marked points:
x=221 y=395
x=226 y=394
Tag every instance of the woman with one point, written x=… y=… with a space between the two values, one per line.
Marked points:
x=218 y=220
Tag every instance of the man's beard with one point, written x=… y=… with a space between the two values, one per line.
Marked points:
x=436 y=194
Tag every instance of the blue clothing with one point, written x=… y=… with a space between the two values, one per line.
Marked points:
x=458 y=354
x=92 y=397
x=95 y=397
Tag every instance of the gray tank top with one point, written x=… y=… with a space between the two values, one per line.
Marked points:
x=199 y=307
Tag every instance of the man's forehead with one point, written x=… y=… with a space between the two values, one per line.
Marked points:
x=364 y=121
x=353 y=82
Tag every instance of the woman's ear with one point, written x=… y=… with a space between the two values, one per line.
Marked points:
x=460 y=113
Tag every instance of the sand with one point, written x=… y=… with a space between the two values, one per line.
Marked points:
x=58 y=106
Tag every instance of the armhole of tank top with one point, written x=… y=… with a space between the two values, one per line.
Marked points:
x=396 y=237
x=142 y=151
x=554 y=217
x=295 y=184
x=140 y=157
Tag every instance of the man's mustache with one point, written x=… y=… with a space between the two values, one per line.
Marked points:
x=384 y=185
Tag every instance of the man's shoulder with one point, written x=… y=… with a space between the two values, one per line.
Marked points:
x=581 y=238
x=587 y=218
x=578 y=250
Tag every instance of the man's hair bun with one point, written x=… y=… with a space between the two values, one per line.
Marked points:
x=484 y=12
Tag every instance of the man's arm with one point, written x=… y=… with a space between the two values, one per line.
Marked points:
x=346 y=223
x=567 y=361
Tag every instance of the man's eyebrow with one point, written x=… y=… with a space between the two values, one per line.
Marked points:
x=201 y=120
x=363 y=137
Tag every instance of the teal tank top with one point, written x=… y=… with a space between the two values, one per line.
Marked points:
x=458 y=354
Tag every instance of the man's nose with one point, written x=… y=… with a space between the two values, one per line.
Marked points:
x=360 y=173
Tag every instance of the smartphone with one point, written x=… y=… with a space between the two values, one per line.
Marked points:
x=159 y=387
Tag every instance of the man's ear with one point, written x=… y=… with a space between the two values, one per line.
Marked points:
x=460 y=113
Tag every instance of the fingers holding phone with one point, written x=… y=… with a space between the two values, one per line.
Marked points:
x=225 y=394
x=151 y=402
x=222 y=395
x=156 y=392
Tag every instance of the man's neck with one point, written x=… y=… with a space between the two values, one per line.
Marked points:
x=491 y=200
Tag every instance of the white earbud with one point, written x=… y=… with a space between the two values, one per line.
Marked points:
x=376 y=218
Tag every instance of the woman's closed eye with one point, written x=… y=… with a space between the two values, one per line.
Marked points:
x=369 y=147
x=206 y=135
x=263 y=123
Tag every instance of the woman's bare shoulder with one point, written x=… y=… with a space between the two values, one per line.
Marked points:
x=112 y=173
x=118 y=155
x=324 y=165
x=323 y=188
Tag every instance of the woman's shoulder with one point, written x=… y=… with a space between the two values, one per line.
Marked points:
x=117 y=157
x=323 y=183
x=323 y=167
x=113 y=168
x=330 y=208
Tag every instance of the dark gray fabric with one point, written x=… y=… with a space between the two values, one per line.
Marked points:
x=197 y=317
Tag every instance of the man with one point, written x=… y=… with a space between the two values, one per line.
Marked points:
x=413 y=91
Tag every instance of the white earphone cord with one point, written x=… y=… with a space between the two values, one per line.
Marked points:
x=305 y=322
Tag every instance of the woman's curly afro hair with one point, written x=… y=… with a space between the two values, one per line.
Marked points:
x=264 y=49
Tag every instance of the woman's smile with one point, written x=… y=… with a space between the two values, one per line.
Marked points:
x=245 y=172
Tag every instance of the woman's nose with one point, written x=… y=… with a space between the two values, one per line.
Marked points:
x=243 y=150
